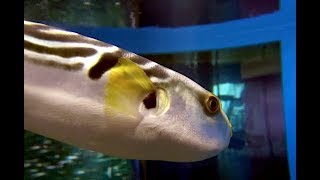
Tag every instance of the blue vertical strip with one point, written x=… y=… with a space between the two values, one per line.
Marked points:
x=288 y=6
x=288 y=52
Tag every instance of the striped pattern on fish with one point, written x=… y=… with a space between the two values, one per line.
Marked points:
x=74 y=49
x=97 y=96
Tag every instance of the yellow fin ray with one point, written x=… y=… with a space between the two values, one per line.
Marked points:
x=127 y=85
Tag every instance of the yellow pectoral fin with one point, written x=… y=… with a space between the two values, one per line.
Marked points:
x=127 y=85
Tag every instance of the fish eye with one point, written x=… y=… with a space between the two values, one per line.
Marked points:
x=213 y=104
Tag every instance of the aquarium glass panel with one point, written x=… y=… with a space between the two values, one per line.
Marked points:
x=247 y=80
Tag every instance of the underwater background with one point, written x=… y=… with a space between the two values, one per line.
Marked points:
x=246 y=79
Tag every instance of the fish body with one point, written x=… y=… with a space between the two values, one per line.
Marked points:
x=97 y=96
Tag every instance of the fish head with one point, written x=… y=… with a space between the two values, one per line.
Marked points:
x=183 y=121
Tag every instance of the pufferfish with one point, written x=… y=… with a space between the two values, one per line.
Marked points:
x=99 y=97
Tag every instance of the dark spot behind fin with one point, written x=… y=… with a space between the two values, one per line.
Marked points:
x=106 y=62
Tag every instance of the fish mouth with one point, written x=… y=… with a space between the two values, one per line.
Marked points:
x=225 y=117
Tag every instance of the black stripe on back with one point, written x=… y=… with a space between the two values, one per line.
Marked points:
x=69 y=67
x=156 y=72
x=35 y=31
x=65 y=52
